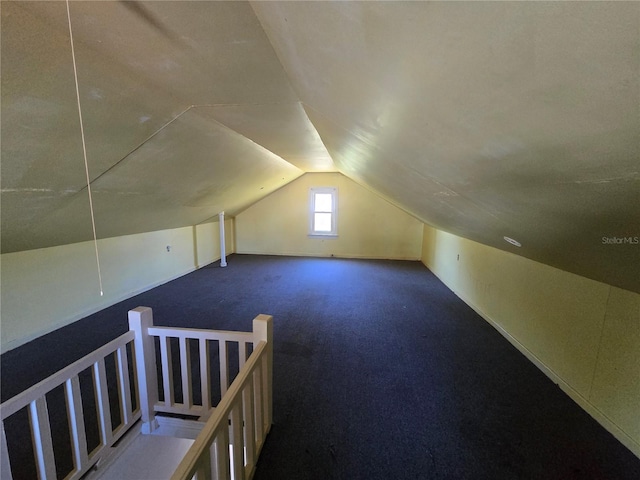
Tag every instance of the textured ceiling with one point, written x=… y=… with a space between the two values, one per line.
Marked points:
x=483 y=119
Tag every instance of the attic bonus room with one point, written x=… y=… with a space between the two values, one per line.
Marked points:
x=438 y=202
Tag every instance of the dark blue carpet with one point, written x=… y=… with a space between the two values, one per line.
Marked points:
x=380 y=372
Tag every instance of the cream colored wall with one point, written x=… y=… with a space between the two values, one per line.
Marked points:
x=583 y=334
x=45 y=289
x=207 y=241
x=368 y=226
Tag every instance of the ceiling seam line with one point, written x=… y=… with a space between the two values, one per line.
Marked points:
x=139 y=146
x=235 y=132
x=268 y=104
x=178 y=116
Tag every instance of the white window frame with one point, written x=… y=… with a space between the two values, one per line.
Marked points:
x=334 y=211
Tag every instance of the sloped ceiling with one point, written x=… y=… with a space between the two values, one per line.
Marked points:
x=187 y=112
x=518 y=119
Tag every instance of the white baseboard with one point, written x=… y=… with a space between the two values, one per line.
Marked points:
x=74 y=318
x=319 y=255
x=588 y=407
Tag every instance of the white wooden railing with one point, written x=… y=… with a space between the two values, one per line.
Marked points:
x=39 y=420
x=141 y=322
x=231 y=440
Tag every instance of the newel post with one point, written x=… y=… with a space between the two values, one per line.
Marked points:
x=263 y=331
x=140 y=319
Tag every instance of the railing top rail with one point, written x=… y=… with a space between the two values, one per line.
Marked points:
x=24 y=398
x=188 y=465
x=194 y=333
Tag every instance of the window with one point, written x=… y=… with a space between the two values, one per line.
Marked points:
x=322 y=218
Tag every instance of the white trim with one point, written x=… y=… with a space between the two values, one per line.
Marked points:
x=333 y=191
x=327 y=255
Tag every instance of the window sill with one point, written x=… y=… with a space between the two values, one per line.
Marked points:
x=322 y=235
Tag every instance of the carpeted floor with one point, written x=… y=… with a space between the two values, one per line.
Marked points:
x=380 y=372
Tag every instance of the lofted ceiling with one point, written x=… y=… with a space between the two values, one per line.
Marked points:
x=483 y=119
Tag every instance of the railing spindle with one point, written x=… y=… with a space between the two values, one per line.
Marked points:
x=123 y=385
x=204 y=469
x=185 y=369
x=205 y=375
x=102 y=398
x=265 y=389
x=224 y=367
x=76 y=422
x=236 y=442
x=259 y=403
x=221 y=470
x=167 y=370
x=249 y=424
x=42 y=442
x=242 y=354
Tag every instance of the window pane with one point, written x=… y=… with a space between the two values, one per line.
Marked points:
x=323 y=202
x=322 y=222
